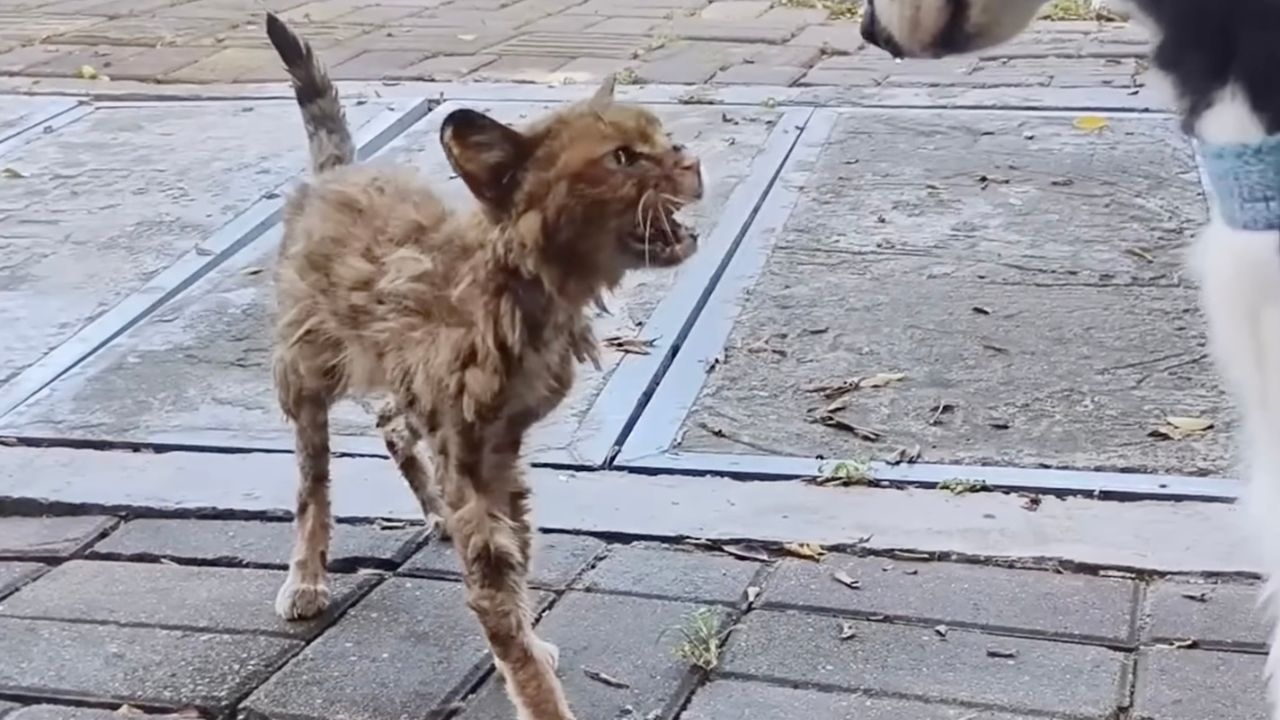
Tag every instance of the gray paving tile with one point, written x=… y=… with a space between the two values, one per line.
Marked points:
x=134 y=665
x=1214 y=615
x=6 y=708
x=205 y=598
x=49 y=537
x=1023 y=601
x=1048 y=677
x=62 y=712
x=670 y=572
x=557 y=559
x=630 y=639
x=228 y=542
x=14 y=574
x=741 y=700
x=1199 y=684
x=411 y=645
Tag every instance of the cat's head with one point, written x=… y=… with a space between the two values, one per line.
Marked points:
x=592 y=188
x=935 y=28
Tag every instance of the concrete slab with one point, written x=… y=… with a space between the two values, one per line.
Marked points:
x=14 y=575
x=410 y=646
x=1024 y=602
x=1025 y=275
x=1058 y=679
x=639 y=652
x=6 y=708
x=115 y=664
x=740 y=700
x=50 y=537
x=21 y=113
x=138 y=188
x=1176 y=537
x=203 y=360
x=1214 y=615
x=261 y=544
x=195 y=598
x=672 y=572
x=1196 y=684
x=557 y=560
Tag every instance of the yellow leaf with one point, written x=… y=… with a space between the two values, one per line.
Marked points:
x=1189 y=424
x=1091 y=123
x=808 y=551
x=86 y=72
x=12 y=173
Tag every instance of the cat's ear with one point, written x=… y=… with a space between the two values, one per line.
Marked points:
x=486 y=154
x=604 y=95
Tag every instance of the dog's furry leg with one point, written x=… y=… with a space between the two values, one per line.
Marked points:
x=403 y=440
x=326 y=123
x=489 y=521
x=305 y=593
x=1240 y=281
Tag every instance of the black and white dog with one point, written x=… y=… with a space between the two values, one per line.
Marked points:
x=1222 y=60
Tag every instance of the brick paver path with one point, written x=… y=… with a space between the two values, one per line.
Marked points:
x=647 y=41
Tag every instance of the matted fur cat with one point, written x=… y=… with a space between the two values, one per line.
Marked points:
x=470 y=323
x=1223 y=60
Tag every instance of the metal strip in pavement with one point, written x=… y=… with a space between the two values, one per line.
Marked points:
x=624 y=396
x=186 y=270
x=45 y=124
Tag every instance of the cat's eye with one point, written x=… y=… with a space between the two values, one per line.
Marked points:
x=624 y=156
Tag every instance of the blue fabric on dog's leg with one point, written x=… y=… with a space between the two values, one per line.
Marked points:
x=1245 y=180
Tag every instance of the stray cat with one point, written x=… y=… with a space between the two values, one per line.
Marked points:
x=470 y=323
x=1221 y=58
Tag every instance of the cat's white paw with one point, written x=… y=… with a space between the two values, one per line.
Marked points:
x=301 y=601
x=546 y=652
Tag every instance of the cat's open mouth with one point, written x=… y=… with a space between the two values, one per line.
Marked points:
x=661 y=240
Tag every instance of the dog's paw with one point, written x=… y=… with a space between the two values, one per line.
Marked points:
x=301 y=601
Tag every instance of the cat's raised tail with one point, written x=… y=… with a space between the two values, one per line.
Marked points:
x=327 y=130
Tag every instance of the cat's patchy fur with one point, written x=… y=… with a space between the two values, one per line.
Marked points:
x=1220 y=57
x=471 y=324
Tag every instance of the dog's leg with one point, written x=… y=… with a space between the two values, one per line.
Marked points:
x=1240 y=281
x=403 y=443
x=305 y=593
x=488 y=519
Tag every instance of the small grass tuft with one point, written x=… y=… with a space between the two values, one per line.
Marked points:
x=701 y=638
x=1080 y=10
x=838 y=9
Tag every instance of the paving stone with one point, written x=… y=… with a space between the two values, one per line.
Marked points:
x=15 y=61
x=793 y=16
x=134 y=665
x=444 y=67
x=384 y=14
x=1037 y=45
x=743 y=31
x=31 y=28
x=1048 y=677
x=737 y=700
x=62 y=712
x=376 y=64
x=408 y=647
x=446 y=41
x=639 y=651
x=571 y=45
x=203 y=598
x=589 y=70
x=671 y=573
x=99 y=57
x=562 y=23
x=49 y=537
x=1198 y=684
x=233 y=64
x=759 y=74
x=1229 y=615
x=321 y=35
x=1023 y=601
x=14 y=575
x=149 y=31
x=150 y=63
x=612 y=9
x=557 y=559
x=822 y=75
x=245 y=542
x=518 y=68
x=319 y=11
x=735 y=10
x=6 y=708
x=626 y=25
x=840 y=39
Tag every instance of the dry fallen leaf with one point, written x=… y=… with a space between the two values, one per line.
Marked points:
x=382 y=524
x=848 y=631
x=981 y=310
x=1030 y=501
x=1001 y=652
x=747 y=552
x=808 y=551
x=604 y=679
x=1201 y=596
x=12 y=173
x=858 y=431
x=1177 y=428
x=629 y=345
x=844 y=579
x=835 y=390
x=903 y=455
x=1140 y=254
x=1091 y=123
x=1182 y=644
x=882 y=380
x=942 y=631
x=753 y=593
x=251 y=271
